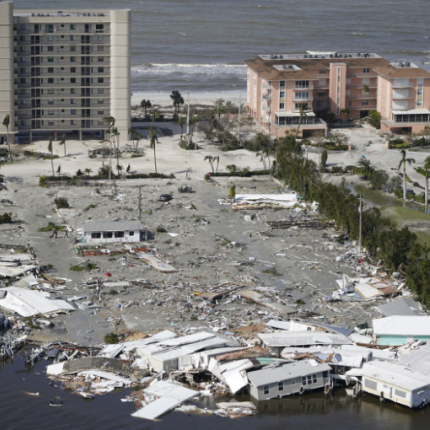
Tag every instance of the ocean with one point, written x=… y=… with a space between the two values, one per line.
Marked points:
x=199 y=46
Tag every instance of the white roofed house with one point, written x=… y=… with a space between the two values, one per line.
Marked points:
x=401 y=329
x=96 y=232
x=290 y=378
x=394 y=382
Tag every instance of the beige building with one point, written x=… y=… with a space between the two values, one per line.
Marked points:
x=64 y=71
x=347 y=85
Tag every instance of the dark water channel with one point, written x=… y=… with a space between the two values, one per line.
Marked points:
x=20 y=411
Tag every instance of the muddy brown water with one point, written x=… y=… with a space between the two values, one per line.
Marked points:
x=20 y=411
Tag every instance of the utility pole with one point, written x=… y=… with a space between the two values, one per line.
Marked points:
x=238 y=122
x=110 y=155
x=188 y=120
x=360 y=225
x=140 y=203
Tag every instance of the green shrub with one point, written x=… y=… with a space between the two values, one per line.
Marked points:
x=61 y=203
x=111 y=338
x=332 y=147
x=6 y=218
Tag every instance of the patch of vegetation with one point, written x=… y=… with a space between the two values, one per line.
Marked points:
x=300 y=302
x=83 y=267
x=91 y=206
x=111 y=338
x=271 y=272
x=51 y=227
x=61 y=203
x=160 y=229
x=6 y=218
x=226 y=242
x=113 y=292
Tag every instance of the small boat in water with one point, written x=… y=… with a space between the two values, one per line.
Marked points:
x=55 y=401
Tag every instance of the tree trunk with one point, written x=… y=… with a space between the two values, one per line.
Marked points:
x=427 y=192
x=52 y=164
x=155 y=160
x=8 y=143
x=404 y=183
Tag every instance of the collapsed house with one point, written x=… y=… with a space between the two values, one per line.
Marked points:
x=284 y=379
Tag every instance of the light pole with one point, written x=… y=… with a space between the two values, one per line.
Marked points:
x=360 y=199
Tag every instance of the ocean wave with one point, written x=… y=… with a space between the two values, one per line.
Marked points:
x=185 y=70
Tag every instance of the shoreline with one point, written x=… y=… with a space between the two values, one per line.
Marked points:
x=202 y=98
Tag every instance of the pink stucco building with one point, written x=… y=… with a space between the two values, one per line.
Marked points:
x=348 y=85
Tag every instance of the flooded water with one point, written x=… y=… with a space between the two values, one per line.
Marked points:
x=309 y=412
x=379 y=199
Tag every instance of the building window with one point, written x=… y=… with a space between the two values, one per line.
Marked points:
x=266 y=389
x=50 y=101
x=72 y=69
x=72 y=26
x=22 y=59
x=50 y=112
x=72 y=48
x=131 y=233
x=304 y=380
x=101 y=101
x=51 y=59
x=281 y=386
x=99 y=28
x=100 y=59
x=73 y=101
x=309 y=379
x=72 y=111
x=100 y=112
x=51 y=122
x=108 y=235
x=100 y=48
x=96 y=235
x=101 y=90
x=365 y=103
x=73 y=80
x=100 y=80
x=50 y=80
x=366 y=70
x=100 y=69
x=50 y=49
x=73 y=59
x=72 y=37
x=23 y=122
x=323 y=71
x=22 y=91
x=282 y=84
x=72 y=90
x=22 y=26
x=22 y=81
x=50 y=70
x=314 y=379
x=100 y=37
x=301 y=95
x=50 y=38
x=281 y=106
x=49 y=28
x=302 y=84
x=73 y=122
x=22 y=38
x=50 y=90
x=420 y=91
x=119 y=234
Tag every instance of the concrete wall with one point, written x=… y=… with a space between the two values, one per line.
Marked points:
x=7 y=92
x=120 y=71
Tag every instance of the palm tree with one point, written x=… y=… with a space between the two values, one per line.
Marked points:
x=364 y=168
x=219 y=110
x=88 y=171
x=425 y=171
x=177 y=100
x=303 y=108
x=145 y=104
x=6 y=123
x=63 y=142
x=211 y=161
x=154 y=115
x=110 y=122
x=181 y=122
x=153 y=140
x=402 y=163
x=52 y=155
x=346 y=112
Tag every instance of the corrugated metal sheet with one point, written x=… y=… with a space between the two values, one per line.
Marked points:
x=282 y=339
x=402 y=325
x=100 y=226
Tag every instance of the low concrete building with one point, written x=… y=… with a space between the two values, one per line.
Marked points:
x=287 y=379
x=395 y=382
x=112 y=231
